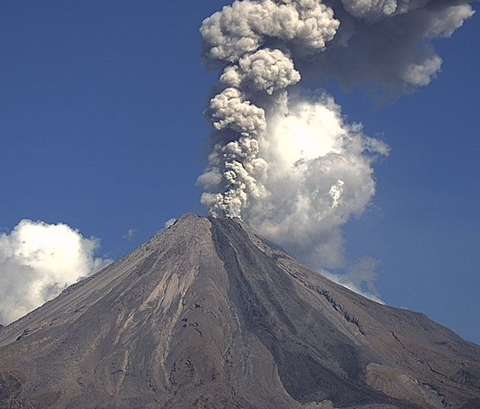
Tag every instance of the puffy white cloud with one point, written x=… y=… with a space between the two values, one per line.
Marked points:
x=319 y=175
x=37 y=261
x=266 y=70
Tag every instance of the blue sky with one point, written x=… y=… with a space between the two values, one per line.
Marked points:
x=102 y=128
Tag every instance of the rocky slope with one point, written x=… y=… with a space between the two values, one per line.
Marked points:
x=208 y=315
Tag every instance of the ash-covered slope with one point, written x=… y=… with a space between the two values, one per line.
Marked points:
x=207 y=315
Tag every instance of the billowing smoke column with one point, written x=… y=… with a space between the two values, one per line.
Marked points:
x=285 y=160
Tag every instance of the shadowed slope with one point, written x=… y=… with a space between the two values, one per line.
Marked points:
x=207 y=315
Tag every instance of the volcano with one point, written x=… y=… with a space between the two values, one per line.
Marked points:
x=209 y=315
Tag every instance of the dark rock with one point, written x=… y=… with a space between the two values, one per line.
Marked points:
x=9 y=386
x=473 y=404
x=467 y=377
x=208 y=315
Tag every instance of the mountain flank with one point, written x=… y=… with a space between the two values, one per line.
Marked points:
x=209 y=315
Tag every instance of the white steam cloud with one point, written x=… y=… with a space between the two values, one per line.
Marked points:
x=37 y=261
x=286 y=160
x=319 y=176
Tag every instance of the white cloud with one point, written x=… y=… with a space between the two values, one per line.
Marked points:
x=320 y=175
x=37 y=261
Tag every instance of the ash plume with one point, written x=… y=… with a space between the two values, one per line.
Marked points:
x=285 y=159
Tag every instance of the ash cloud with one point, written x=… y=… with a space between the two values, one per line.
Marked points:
x=286 y=160
x=37 y=261
x=244 y=26
x=266 y=70
x=383 y=51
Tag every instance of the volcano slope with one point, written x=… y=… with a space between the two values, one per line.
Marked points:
x=208 y=315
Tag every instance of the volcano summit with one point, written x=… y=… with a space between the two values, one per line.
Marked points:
x=209 y=315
